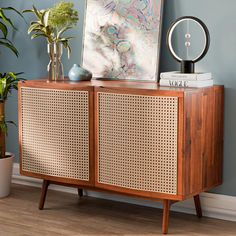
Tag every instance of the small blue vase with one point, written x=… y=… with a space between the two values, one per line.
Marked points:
x=77 y=73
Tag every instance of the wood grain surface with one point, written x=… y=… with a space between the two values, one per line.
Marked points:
x=68 y=215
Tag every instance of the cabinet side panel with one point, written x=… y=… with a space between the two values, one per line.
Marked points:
x=208 y=169
x=54 y=135
x=203 y=132
x=218 y=134
x=193 y=143
x=181 y=170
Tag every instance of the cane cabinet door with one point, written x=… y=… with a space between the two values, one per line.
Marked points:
x=137 y=143
x=55 y=134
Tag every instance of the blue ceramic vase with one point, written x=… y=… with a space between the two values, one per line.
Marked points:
x=77 y=73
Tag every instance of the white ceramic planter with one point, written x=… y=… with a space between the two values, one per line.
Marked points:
x=6 y=166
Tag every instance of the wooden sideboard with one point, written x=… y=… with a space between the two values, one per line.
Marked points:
x=130 y=138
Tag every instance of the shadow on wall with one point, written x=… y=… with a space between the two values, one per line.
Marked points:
x=167 y=63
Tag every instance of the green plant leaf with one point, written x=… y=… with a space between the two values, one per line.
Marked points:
x=34 y=26
x=12 y=75
x=65 y=39
x=67 y=46
x=1 y=90
x=4 y=30
x=3 y=87
x=37 y=13
x=13 y=9
x=5 y=19
x=28 y=11
x=8 y=82
x=37 y=35
x=45 y=16
x=19 y=73
x=9 y=45
x=36 y=23
x=63 y=30
x=11 y=122
x=69 y=51
x=3 y=127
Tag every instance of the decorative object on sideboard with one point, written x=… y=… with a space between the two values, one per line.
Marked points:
x=52 y=23
x=122 y=39
x=77 y=73
x=194 y=39
x=55 y=66
x=8 y=82
x=192 y=29
x=196 y=80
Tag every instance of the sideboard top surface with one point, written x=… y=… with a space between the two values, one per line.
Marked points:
x=112 y=84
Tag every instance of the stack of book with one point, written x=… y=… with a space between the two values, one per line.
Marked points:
x=177 y=79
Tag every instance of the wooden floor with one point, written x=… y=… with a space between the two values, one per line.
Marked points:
x=66 y=215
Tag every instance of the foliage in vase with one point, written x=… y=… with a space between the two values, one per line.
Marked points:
x=53 y=22
x=9 y=80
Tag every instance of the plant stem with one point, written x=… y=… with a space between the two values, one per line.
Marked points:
x=2 y=133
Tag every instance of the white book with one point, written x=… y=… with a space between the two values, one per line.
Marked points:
x=187 y=83
x=182 y=76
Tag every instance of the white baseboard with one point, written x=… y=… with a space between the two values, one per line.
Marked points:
x=213 y=205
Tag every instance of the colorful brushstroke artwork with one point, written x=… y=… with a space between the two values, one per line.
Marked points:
x=121 y=39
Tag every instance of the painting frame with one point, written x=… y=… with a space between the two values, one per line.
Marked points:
x=154 y=76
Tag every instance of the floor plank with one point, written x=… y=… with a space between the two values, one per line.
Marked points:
x=65 y=214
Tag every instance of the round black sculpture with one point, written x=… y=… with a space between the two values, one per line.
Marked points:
x=188 y=66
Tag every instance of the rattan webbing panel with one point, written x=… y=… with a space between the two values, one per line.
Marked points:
x=55 y=132
x=138 y=142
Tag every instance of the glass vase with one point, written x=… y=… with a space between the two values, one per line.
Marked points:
x=55 y=66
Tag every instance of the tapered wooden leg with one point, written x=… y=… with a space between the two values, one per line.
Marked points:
x=43 y=193
x=166 y=213
x=80 y=192
x=198 y=205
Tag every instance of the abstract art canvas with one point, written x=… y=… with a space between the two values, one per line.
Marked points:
x=122 y=39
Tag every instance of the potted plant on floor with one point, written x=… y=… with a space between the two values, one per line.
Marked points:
x=8 y=82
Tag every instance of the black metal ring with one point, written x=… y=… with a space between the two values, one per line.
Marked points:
x=207 y=34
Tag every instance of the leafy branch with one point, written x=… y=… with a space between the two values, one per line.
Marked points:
x=4 y=23
x=53 y=22
x=8 y=82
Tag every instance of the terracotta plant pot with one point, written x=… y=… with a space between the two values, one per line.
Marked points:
x=6 y=165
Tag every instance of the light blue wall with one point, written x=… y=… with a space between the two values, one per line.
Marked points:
x=220 y=17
